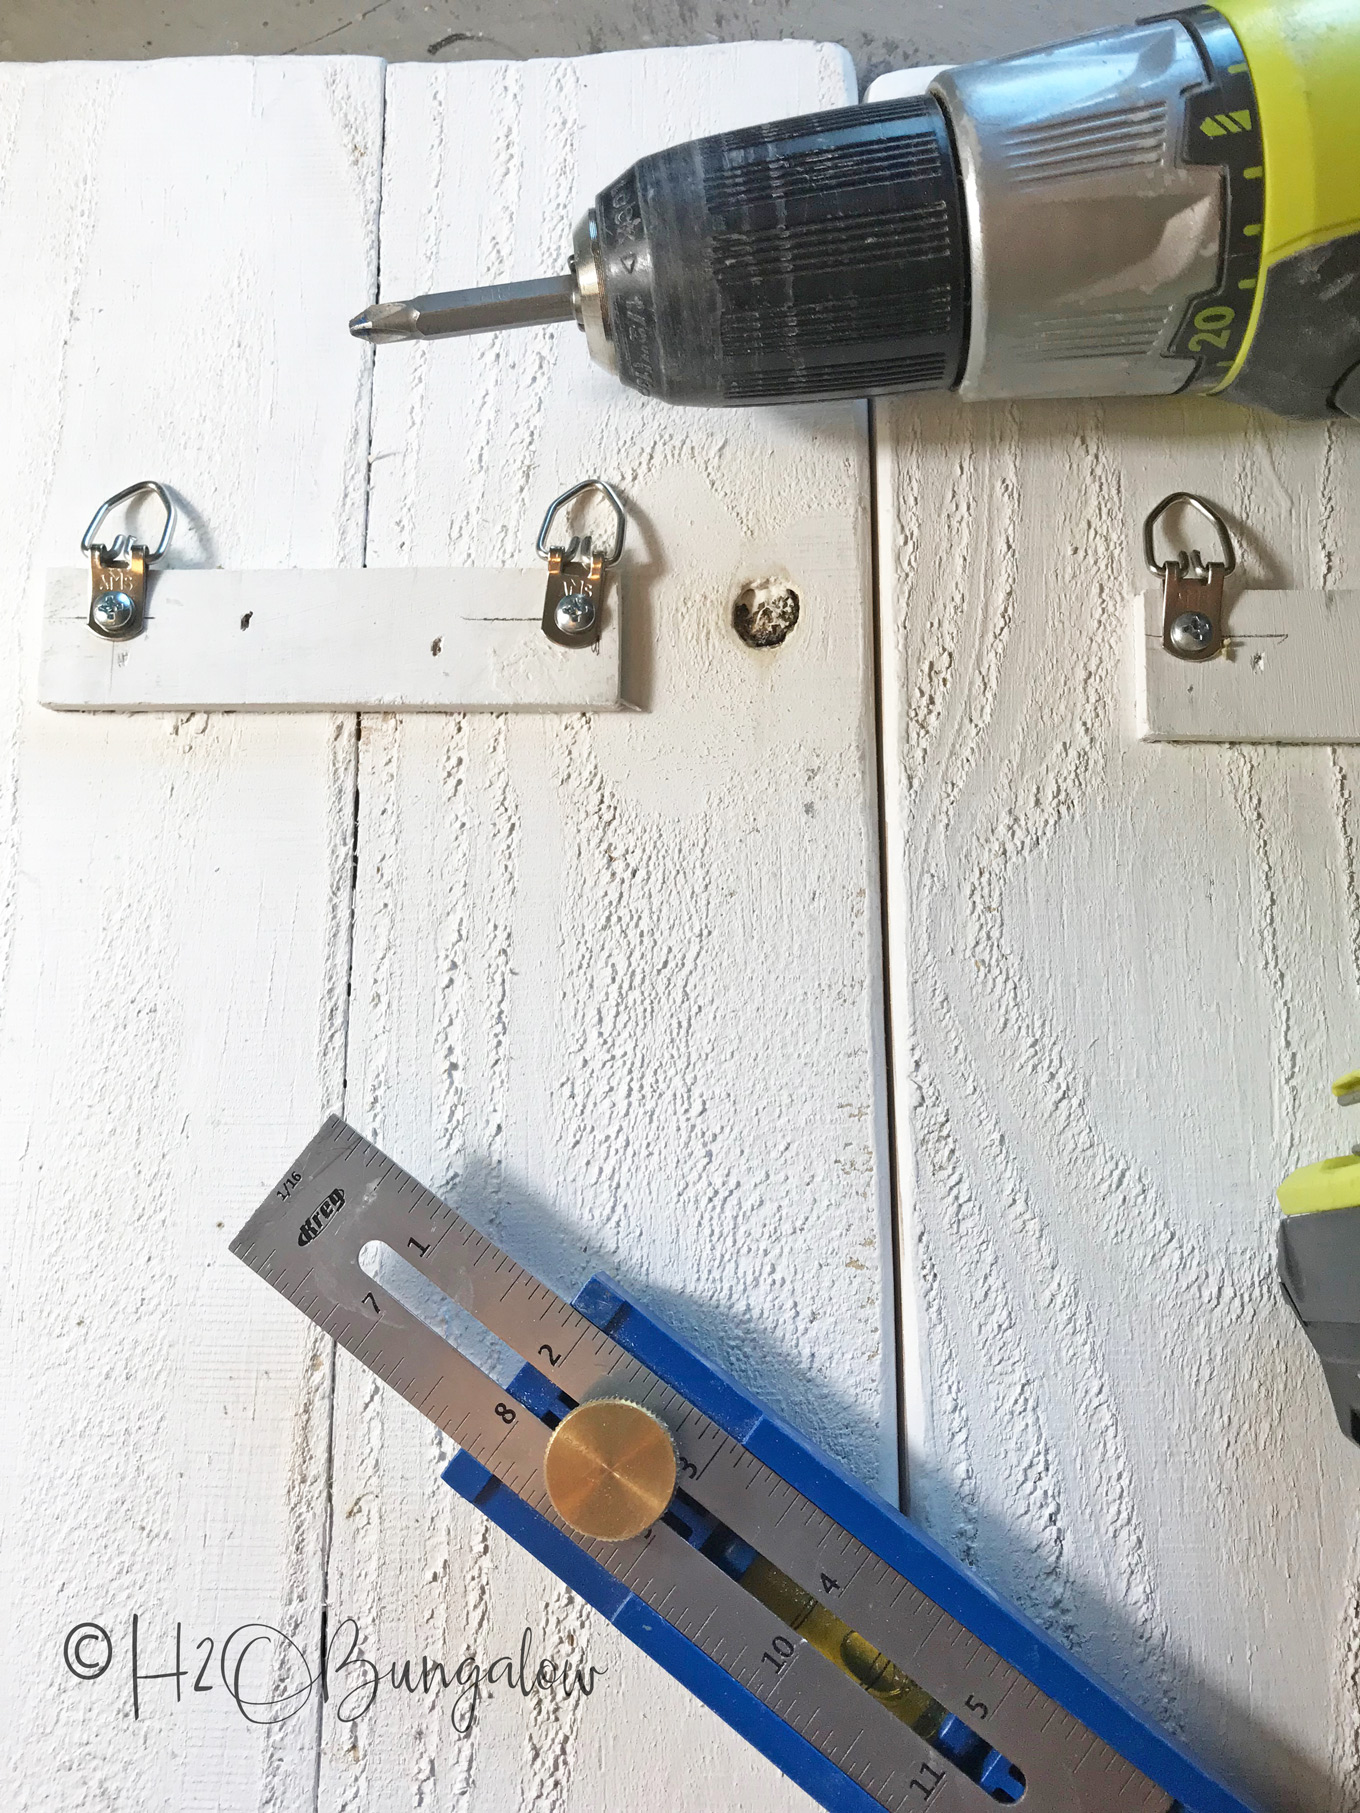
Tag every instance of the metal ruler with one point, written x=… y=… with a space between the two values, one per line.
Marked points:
x=343 y=1198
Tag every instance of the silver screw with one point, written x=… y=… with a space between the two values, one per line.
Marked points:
x=1191 y=632
x=113 y=611
x=575 y=613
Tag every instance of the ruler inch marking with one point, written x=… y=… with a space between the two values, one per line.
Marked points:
x=729 y=1625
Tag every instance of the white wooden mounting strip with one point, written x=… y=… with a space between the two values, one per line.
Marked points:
x=1289 y=673
x=344 y=638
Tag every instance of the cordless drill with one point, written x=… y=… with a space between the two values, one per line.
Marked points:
x=1170 y=207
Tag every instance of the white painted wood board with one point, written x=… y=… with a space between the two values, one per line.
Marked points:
x=614 y=984
x=174 y=910
x=1289 y=672
x=896 y=84
x=1123 y=975
x=344 y=638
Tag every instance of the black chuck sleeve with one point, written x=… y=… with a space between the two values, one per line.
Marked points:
x=815 y=257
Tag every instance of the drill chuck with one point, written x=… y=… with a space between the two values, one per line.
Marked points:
x=822 y=256
x=1086 y=220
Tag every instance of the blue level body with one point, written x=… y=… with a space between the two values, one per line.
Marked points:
x=890 y=1535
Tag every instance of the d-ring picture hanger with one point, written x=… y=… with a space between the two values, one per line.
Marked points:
x=1279 y=669
x=340 y=639
x=572 y=606
x=1192 y=588
x=118 y=571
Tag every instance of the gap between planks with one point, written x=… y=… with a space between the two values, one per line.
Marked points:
x=894 y=1283
x=356 y=738
x=891 y=1279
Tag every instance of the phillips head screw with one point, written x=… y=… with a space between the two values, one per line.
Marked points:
x=575 y=613
x=1190 y=632
x=113 y=611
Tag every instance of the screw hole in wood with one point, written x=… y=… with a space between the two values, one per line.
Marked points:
x=764 y=614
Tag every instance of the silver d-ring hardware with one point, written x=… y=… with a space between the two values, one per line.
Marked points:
x=572 y=616
x=1192 y=588
x=118 y=572
x=616 y=503
x=125 y=541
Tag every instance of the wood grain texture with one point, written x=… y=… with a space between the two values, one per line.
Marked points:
x=614 y=980
x=1122 y=977
x=174 y=908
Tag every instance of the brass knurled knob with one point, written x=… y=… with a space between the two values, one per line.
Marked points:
x=610 y=1469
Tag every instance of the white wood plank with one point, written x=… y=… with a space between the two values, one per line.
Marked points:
x=615 y=978
x=174 y=906
x=1289 y=673
x=1123 y=977
x=896 y=84
x=403 y=639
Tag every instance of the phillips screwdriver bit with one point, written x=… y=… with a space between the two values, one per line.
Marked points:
x=468 y=311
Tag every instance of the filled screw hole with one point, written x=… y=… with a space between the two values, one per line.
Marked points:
x=764 y=614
